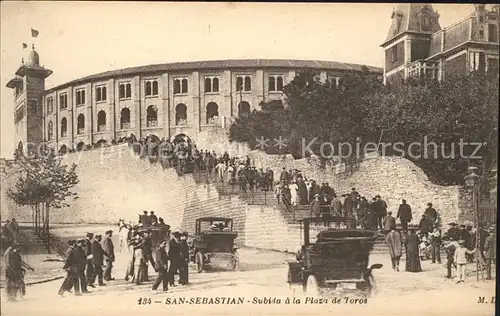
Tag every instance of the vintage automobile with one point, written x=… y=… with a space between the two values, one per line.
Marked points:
x=337 y=261
x=213 y=243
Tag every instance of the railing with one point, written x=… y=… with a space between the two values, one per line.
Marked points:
x=423 y=70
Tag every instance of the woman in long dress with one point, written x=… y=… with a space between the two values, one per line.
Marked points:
x=293 y=192
x=412 y=252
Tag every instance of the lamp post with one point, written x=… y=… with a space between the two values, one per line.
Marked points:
x=472 y=181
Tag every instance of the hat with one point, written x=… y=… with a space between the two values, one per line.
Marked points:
x=461 y=241
x=79 y=240
x=452 y=224
x=177 y=234
x=377 y=196
x=109 y=232
x=90 y=235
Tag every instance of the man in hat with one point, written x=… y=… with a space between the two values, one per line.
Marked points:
x=425 y=225
x=88 y=254
x=71 y=268
x=98 y=255
x=144 y=219
x=389 y=223
x=490 y=250
x=430 y=212
x=184 y=262
x=436 y=245
x=453 y=232
x=109 y=249
x=404 y=214
x=152 y=218
x=161 y=265
x=147 y=250
x=174 y=255
x=336 y=206
x=14 y=272
x=316 y=206
x=81 y=260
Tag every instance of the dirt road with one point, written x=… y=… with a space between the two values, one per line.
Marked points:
x=260 y=282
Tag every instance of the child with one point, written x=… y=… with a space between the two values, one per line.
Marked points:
x=461 y=260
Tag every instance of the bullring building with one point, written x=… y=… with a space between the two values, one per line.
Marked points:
x=162 y=100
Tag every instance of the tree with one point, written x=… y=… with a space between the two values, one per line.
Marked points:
x=462 y=108
x=357 y=111
x=43 y=182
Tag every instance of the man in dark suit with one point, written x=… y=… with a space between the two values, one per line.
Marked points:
x=184 y=268
x=71 y=268
x=161 y=265
x=88 y=254
x=109 y=248
x=404 y=215
x=147 y=250
x=98 y=260
x=81 y=259
x=174 y=255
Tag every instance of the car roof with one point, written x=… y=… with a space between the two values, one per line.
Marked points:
x=213 y=218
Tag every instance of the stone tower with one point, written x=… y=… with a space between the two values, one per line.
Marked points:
x=28 y=86
x=409 y=37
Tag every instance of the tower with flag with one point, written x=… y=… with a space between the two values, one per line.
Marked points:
x=28 y=87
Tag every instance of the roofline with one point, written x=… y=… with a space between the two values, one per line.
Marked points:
x=398 y=36
x=131 y=71
x=460 y=45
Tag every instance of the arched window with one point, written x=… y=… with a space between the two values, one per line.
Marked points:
x=148 y=88
x=279 y=83
x=208 y=85
x=121 y=91
x=152 y=116
x=50 y=105
x=212 y=112
x=80 y=126
x=272 y=83
x=177 y=86
x=64 y=127
x=155 y=87
x=50 y=131
x=101 y=121
x=128 y=90
x=125 y=118
x=181 y=114
x=239 y=84
x=248 y=84
x=184 y=86
x=243 y=108
x=215 y=85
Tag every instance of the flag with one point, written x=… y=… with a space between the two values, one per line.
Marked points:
x=25 y=45
x=34 y=33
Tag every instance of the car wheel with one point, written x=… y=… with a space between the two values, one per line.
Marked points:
x=372 y=286
x=235 y=261
x=199 y=262
x=311 y=286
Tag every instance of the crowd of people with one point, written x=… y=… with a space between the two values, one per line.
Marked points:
x=427 y=240
x=91 y=259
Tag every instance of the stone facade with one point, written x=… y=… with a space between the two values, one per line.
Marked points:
x=162 y=100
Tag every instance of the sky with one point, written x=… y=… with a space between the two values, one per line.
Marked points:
x=77 y=39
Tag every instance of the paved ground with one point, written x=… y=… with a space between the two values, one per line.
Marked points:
x=263 y=275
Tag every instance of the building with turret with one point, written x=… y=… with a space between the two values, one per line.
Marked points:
x=28 y=87
x=162 y=100
x=417 y=46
